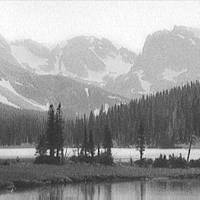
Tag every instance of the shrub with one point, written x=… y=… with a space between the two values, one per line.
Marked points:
x=161 y=162
x=177 y=162
x=194 y=163
x=47 y=160
x=172 y=162
x=144 y=162
x=4 y=162
x=104 y=158
x=81 y=158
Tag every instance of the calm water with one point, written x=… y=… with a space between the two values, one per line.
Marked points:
x=123 y=154
x=137 y=190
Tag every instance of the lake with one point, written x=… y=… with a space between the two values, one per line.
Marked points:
x=119 y=154
x=136 y=190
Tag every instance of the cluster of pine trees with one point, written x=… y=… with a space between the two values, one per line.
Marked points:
x=52 y=140
x=86 y=151
x=169 y=117
x=20 y=126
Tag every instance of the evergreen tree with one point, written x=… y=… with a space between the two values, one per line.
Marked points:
x=91 y=146
x=59 y=139
x=41 y=147
x=85 y=143
x=107 y=143
x=140 y=145
x=50 y=132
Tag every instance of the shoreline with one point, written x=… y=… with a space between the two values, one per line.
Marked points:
x=23 y=176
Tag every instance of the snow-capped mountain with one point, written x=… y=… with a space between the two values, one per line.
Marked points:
x=168 y=58
x=86 y=72
x=26 y=84
x=84 y=58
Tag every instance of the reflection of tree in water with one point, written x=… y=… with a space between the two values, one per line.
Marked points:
x=87 y=191
x=53 y=193
x=108 y=191
x=142 y=190
x=98 y=192
x=93 y=192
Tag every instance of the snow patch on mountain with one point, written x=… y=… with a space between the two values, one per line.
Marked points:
x=87 y=92
x=180 y=36
x=3 y=43
x=170 y=74
x=96 y=111
x=94 y=76
x=6 y=84
x=192 y=41
x=26 y=57
x=18 y=83
x=114 y=97
x=58 y=64
x=115 y=66
x=146 y=86
x=106 y=107
x=4 y=100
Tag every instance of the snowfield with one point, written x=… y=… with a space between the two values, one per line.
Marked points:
x=24 y=56
x=146 y=86
x=12 y=92
x=170 y=74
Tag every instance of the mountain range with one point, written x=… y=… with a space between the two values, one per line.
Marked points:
x=86 y=72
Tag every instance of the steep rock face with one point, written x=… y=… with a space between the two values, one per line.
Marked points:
x=27 y=81
x=82 y=67
x=176 y=50
x=84 y=58
x=168 y=58
x=25 y=90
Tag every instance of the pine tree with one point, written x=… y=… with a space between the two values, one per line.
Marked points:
x=59 y=139
x=41 y=147
x=107 y=143
x=50 y=132
x=85 y=142
x=140 y=144
x=91 y=146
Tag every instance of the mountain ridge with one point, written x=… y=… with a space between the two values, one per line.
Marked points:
x=85 y=64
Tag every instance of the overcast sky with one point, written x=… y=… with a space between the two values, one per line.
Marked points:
x=124 y=22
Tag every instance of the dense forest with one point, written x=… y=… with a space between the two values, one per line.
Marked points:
x=20 y=126
x=169 y=117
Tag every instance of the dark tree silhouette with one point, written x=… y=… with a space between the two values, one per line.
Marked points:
x=85 y=143
x=140 y=145
x=41 y=147
x=107 y=143
x=91 y=146
x=50 y=132
x=59 y=139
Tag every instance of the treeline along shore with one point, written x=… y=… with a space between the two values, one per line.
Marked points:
x=170 y=117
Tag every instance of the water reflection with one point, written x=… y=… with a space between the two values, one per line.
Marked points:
x=137 y=190
x=52 y=193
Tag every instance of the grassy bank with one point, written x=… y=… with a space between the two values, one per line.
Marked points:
x=26 y=174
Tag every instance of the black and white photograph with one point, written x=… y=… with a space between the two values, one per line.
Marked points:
x=99 y=100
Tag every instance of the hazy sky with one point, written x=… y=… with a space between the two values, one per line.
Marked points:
x=124 y=22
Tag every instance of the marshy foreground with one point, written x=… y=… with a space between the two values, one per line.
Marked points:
x=27 y=175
